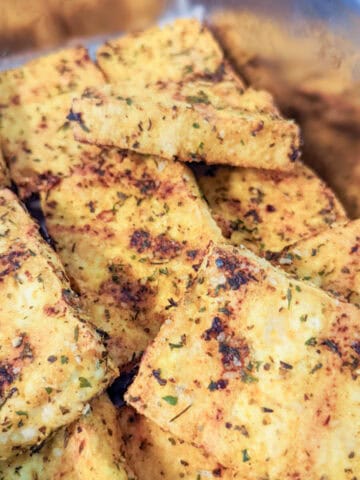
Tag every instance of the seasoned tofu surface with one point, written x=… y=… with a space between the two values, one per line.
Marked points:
x=265 y=373
x=131 y=232
x=89 y=448
x=194 y=254
x=38 y=143
x=148 y=448
x=193 y=122
x=52 y=362
x=60 y=72
x=266 y=211
x=176 y=52
x=330 y=260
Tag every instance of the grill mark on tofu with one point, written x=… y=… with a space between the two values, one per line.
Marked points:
x=11 y=261
x=161 y=247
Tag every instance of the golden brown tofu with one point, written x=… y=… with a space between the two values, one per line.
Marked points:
x=192 y=122
x=88 y=449
x=330 y=260
x=148 y=448
x=52 y=362
x=265 y=373
x=131 y=232
x=266 y=211
x=4 y=173
x=38 y=143
x=39 y=79
x=180 y=50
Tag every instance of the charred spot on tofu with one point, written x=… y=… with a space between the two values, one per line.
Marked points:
x=161 y=247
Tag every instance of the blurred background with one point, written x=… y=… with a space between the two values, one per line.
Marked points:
x=305 y=52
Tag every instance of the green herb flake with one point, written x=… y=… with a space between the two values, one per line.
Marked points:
x=164 y=271
x=170 y=400
x=48 y=390
x=303 y=317
x=129 y=101
x=76 y=333
x=188 y=69
x=22 y=413
x=245 y=456
x=64 y=359
x=84 y=382
x=297 y=288
x=247 y=378
x=317 y=367
x=311 y=342
x=201 y=97
x=196 y=125
x=289 y=297
x=180 y=344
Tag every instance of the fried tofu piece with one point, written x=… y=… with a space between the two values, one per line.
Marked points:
x=60 y=72
x=38 y=143
x=310 y=70
x=89 y=448
x=148 y=448
x=52 y=362
x=264 y=373
x=330 y=260
x=192 y=122
x=4 y=173
x=130 y=231
x=266 y=211
x=181 y=50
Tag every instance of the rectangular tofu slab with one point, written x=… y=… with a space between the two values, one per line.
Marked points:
x=131 y=232
x=52 y=362
x=330 y=260
x=264 y=375
x=192 y=122
x=89 y=448
x=266 y=211
x=148 y=448
x=176 y=52
x=38 y=143
x=44 y=77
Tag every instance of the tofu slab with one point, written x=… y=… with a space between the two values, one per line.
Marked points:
x=67 y=70
x=260 y=370
x=52 y=362
x=191 y=122
x=38 y=143
x=148 y=448
x=89 y=448
x=131 y=232
x=178 y=51
x=266 y=211
x=330 y=260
